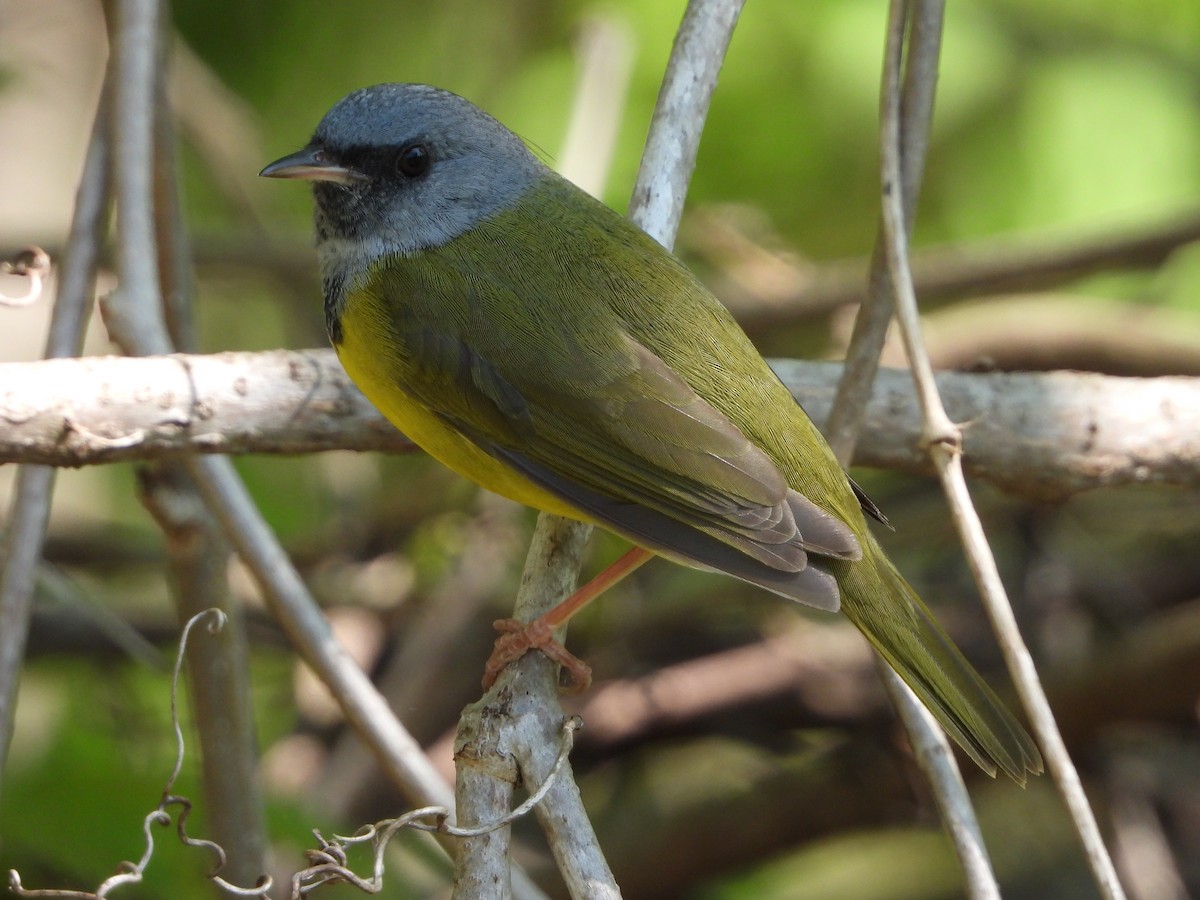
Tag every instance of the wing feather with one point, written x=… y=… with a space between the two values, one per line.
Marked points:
x=580 y=407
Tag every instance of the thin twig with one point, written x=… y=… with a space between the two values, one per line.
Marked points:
x=135 y=317
x=292 y=605
x=29 y=513
x=768 y=290
x=930 y=746
x=133 y=312
x=177 y=283
x=427 y=658
x=944 y=441
x=679 y=114
x=198 y=559
x=874 y=317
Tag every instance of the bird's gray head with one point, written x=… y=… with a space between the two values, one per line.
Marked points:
x=397 y=168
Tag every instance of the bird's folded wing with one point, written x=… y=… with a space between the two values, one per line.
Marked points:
x=621 y=437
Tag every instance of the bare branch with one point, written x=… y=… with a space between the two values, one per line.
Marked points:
x=944 y=442
x=922 y=21
x=767 y=289
x=508 y=737
x=1040 y=435
x=679 y=114
x=29 y=513
x=133 y=312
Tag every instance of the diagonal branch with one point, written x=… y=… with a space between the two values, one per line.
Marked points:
x=29 y=513
x=135 y=317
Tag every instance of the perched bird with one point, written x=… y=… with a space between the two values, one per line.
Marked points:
x=541 y=345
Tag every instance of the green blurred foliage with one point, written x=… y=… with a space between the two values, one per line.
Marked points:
x=1050 y=115
x=91 y=762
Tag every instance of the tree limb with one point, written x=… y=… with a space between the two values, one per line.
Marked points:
x=1040 y=435
x=768 y=289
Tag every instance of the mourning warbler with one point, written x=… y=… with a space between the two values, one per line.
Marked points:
x=543 y=346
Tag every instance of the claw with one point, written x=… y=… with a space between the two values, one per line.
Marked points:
x=518 y=638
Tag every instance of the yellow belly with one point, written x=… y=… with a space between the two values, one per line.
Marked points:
x=369 y=370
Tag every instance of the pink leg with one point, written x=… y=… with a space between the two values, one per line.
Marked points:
x=519 y=638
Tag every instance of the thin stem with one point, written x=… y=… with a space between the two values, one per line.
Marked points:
x=931 y=749
x=945 y=443
x=30 y=510
x=875 y=315
x=198 y=559
x=134 y=311
x=679 y=114
x=291 y=604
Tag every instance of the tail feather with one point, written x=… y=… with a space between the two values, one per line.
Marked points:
x=893 y=618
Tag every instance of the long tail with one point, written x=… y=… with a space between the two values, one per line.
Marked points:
x=877 y=599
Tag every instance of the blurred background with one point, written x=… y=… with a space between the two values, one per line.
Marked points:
x=775 y=768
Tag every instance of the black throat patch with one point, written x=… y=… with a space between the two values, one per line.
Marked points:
x=334 y=287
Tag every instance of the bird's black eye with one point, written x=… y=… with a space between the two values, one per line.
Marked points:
x=413 y=160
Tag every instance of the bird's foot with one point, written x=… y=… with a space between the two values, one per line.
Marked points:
x=518 y=638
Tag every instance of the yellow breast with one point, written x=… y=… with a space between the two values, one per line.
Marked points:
x=366 y=362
